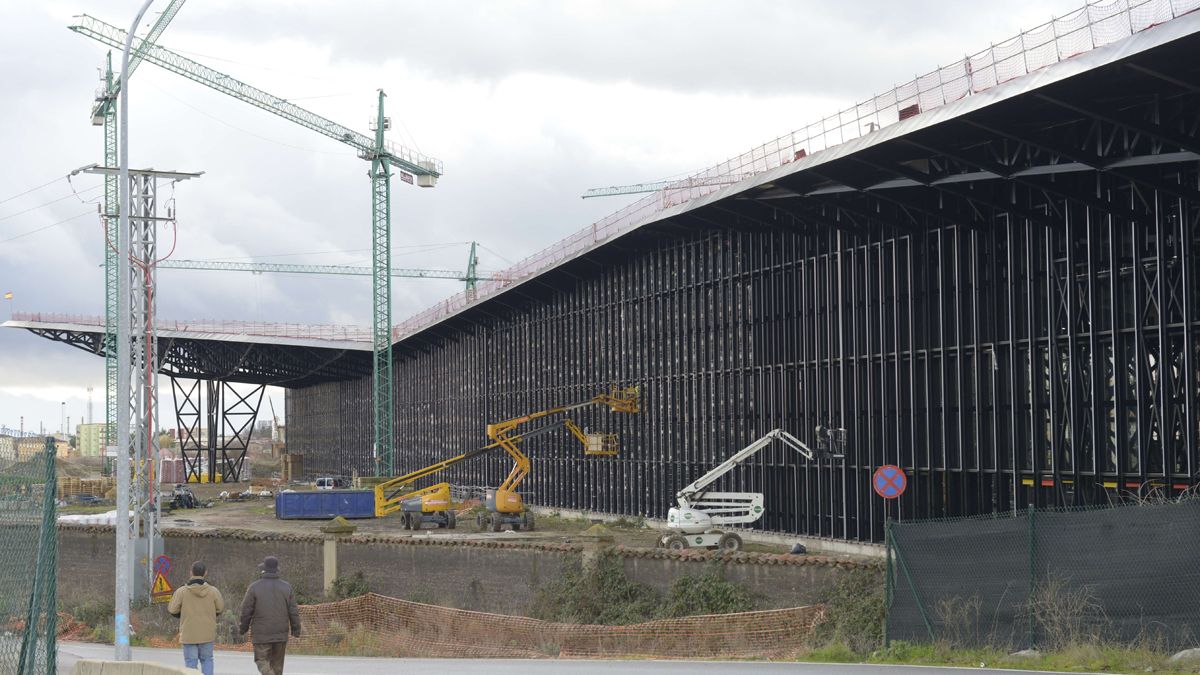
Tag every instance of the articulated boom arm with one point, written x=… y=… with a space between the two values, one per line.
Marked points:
x=502 y=433
x=689 y=496
x=389 y=494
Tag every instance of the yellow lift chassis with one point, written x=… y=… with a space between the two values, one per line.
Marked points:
x=429 y=504
x=504 y=505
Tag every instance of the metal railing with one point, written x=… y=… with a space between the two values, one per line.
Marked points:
x=256 y=328
x=1095 y=25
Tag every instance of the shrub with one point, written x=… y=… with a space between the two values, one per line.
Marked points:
x=854 y=612
x=603 y=595
x=709 y=593
x=350 y=586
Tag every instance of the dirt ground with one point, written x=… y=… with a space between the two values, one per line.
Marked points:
x=258 y=514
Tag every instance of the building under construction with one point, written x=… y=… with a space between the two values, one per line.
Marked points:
x=989 y=277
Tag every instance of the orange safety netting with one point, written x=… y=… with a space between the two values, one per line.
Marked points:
x=379 y=625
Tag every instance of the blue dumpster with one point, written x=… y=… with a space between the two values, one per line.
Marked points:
x=325 y=504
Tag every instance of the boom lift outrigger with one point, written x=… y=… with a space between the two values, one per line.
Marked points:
x=694 y=521
x=504 y=505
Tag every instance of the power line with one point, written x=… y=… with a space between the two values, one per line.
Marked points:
x=46 y=227
x=33 y=189
x=53 y=201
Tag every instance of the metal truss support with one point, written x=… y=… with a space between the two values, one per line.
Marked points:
x=214 y=451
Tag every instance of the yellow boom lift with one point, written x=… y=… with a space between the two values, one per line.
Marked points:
x=504 y=505
x=434 y=504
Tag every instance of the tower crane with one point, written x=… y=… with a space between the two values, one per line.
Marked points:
x=104 y=113
x=700 y=511
x=384 y=156
x=470 y=277
x=657 y=186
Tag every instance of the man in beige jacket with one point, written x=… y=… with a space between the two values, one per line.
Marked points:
x=197 y=605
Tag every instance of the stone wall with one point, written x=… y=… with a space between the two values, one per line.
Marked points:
x=500 y=577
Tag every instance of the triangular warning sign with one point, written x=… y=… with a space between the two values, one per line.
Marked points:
x=161 y=586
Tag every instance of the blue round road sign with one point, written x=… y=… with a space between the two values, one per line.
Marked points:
x=889 y=481
x=162 y=564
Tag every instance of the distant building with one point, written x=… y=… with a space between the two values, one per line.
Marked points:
x=8 y=447
x=89 y=438
x=28 y=448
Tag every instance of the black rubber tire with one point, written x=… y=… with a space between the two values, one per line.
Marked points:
x=406 y=520
x=451 y=520
x=528 y=522
x=495 y=522
x=676 y=543
x=730 y=542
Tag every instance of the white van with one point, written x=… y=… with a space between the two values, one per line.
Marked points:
x=330 y=483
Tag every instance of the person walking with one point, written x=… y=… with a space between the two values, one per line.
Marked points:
x=197 y=606
x=270 y=609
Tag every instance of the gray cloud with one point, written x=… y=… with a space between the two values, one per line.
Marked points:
x=528 y=104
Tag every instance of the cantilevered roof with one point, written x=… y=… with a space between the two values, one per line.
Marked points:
x=1008 y=149
x=286 y=355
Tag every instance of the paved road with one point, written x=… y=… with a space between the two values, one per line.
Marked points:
x=240 y=663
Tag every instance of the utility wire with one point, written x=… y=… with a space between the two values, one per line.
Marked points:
x=53 y=201
x=32 y=189
x=46 y=227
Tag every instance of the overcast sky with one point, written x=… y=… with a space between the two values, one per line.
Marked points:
x=528 y=104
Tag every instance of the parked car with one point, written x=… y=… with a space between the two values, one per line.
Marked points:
x=332 y=483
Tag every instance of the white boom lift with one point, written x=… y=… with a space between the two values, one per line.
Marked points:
x=700 y=511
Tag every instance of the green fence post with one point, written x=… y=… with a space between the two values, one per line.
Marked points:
x=43 y=594
x=1032 y=537
x=888 y=583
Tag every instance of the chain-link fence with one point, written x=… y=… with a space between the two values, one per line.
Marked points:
x=1049 y=578
x=28 y=547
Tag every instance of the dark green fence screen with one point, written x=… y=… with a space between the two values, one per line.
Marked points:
x=1049 y=578
x=28 y=547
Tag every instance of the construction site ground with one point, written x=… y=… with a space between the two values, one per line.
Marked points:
x=258 y=514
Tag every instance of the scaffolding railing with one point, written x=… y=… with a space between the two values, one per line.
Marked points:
x=223 y=327
x=1094 y=25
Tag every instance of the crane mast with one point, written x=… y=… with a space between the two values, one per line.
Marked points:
x=414 y=167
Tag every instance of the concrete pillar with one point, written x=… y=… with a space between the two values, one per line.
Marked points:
x=331 y=562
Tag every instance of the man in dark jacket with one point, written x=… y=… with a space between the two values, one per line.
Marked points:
x=270 y=608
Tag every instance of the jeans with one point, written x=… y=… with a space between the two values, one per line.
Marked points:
x=202 y=653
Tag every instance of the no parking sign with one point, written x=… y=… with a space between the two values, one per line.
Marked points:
x=889 y=481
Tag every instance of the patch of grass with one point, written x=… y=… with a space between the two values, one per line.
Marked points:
x=1072 y=657
x=835 y=652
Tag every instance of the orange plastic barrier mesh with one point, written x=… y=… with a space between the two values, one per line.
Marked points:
x=378 y=625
